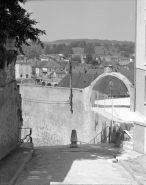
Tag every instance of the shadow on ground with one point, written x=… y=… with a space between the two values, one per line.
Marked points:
x=52 y=164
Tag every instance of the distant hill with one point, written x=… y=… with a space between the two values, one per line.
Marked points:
x=102 y=42
x=108 y=47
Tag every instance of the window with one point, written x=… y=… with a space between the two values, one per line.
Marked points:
x=21 y=75
x=26 y=75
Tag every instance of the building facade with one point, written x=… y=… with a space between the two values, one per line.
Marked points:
x=140 y=64
x=23 y=70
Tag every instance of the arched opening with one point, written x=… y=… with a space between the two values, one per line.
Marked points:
x=110 y=86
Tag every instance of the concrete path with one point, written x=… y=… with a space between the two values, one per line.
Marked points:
x=84 y=165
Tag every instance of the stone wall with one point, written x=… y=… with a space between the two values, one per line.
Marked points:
x=8 y=111
x=7 y=74
x=47 y=111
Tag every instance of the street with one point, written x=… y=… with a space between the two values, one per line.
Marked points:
x=54 y=164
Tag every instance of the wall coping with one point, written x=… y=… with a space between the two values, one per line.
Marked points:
x=55 y=87
x=140 y=123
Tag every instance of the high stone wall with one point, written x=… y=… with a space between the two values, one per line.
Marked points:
x=9 y=122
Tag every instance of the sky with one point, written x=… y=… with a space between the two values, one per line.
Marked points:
x=84 y=19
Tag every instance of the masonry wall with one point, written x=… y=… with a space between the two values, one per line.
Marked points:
x=47 y=111
x=8 y=110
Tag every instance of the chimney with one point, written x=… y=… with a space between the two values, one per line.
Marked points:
x=108 y=69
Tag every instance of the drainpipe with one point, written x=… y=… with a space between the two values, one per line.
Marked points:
x=71 y=93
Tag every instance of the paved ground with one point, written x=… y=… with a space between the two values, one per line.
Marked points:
x=84 y=165
x=138 y=167
x=10 y=164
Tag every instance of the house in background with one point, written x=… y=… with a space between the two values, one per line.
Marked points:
x=23 y=69
x=123 y=61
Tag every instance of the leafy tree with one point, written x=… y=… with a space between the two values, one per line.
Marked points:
x=89 y=49
x=68 y=50
x=77 y=58
x=88 y=58
x=47 y=50
x=124 y=54
x=54 y=49
x=15 y=22
x=94 y=62
x=82 y=44
x=74 y=44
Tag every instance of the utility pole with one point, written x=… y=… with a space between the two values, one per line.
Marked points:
x=71 y=94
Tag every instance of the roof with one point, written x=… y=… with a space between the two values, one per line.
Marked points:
x=128 y=74
x=23 y=63
x=88 y=71
x=78 y=80
x=35 y=62
x=52 y=64
x=130 y=65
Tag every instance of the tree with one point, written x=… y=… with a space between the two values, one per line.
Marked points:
x=74 y=44
x=77 y=58
x=89 y=49
x=47 y=50
x=125 y=54
x=88 y=58
x=82 y=44
x=68 y=50
x=15 y=22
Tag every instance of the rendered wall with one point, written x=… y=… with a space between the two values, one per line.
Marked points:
x=139 y=140
x=140 y=91
x=101 y=124
x=8 y=111
x=47 y=111
x=141 y=57
x=140 y=35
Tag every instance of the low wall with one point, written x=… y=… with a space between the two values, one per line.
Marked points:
x=101 y=125
x=47 y=111
x=8 y=118
x=139 y=140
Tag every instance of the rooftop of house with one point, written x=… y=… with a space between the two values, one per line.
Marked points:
x=38 y=63
x=78 y=80
x=128 y=74
x=87 y=70
x=52 y=64
x=130 y=65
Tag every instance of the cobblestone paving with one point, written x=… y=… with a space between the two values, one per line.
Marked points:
x=57 y=165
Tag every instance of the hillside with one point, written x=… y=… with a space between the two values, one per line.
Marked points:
x=102 y=42
x=79 y=46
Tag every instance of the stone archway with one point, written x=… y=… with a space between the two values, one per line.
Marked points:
x=88 y=91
